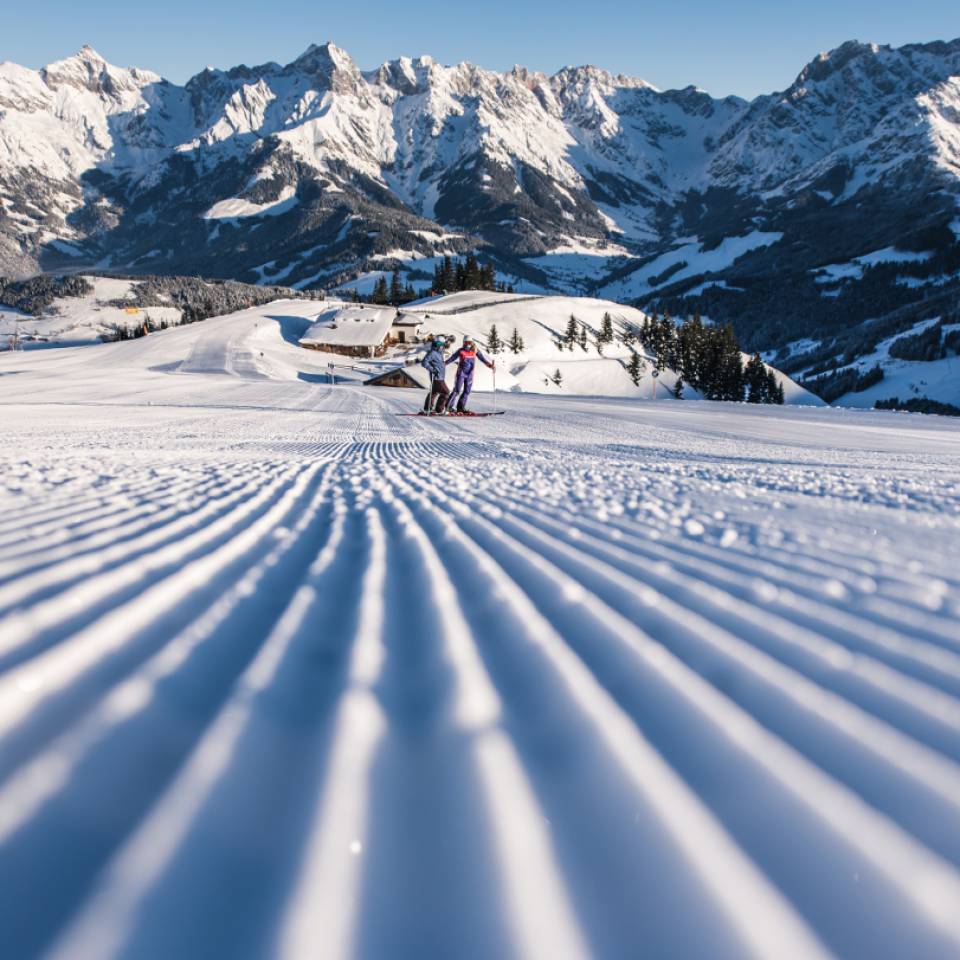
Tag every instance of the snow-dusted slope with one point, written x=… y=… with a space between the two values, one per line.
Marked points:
x=936 y=378
x=598 y=678
x=79 y=320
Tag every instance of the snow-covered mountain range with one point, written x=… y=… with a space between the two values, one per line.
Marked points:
x=765 y=212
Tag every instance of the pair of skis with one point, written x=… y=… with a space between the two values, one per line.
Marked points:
x=423 y=413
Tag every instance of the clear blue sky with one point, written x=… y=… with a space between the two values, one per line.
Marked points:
x=744 y=47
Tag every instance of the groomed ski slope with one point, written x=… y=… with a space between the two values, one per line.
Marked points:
x=284 y=675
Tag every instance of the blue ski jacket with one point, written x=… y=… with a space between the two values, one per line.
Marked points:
x=434 y=364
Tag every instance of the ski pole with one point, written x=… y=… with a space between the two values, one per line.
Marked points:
x=494 y=388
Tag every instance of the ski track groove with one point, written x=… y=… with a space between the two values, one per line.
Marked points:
x=792 y=641
x=895 y=850
x=800 y=601
x=157 y=515
x=710 y=649
x=482 y=693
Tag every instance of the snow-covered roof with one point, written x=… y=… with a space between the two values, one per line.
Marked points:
x=405 y=319
x=354 y=326
x=414 y=371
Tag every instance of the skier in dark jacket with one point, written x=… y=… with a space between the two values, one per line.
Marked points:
x=466 y=358
x=435 y=366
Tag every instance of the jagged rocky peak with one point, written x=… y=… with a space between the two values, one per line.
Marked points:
x=587 y=74
x=830 y=62
x=89 y=55
x=79 y=70
x=405 y=74
x=531 y=79
x=88 y=69
x=696 y=102
x=323 y=58
x=329 y=67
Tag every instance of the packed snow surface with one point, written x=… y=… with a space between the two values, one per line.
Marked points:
x=283 y=672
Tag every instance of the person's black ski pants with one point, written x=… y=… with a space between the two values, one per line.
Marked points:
x=440 y=391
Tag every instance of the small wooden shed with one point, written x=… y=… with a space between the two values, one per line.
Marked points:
x=406 y=327
x=412 y=376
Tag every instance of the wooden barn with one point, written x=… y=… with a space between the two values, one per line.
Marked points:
x=413 y=376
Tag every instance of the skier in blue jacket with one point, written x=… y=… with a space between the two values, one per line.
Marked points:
x=466 y=358
x=435 y=366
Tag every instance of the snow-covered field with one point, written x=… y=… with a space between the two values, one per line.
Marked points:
x=82 y=320
x=283 y=674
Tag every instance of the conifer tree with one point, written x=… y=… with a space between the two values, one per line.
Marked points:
x=694 y=352
x=447 y=276
x=471 y=273
x=379 y=294
x=516 y=342
x=396 y=290
x=582 y=339
x=648 y=331
x=635 y=368
x=731 y=367
x=755 y=378
x=570 y=334
x=557 y=377
x=606 y=329
x=677 y=390
x=494 y=343
x=665 y=343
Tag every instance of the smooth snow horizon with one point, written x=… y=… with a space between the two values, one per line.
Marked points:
x=285 y=675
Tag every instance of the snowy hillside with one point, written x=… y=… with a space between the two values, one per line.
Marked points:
x=921 y=361
x=82 y=320
x=283 y=671
x=540 y=323
x=48 y=311
x=270 y=338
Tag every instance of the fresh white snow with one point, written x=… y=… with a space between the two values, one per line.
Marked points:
x=281 y=670
x=853 y=270
x=236 y=208
x=935 y=379
x=694 y=260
